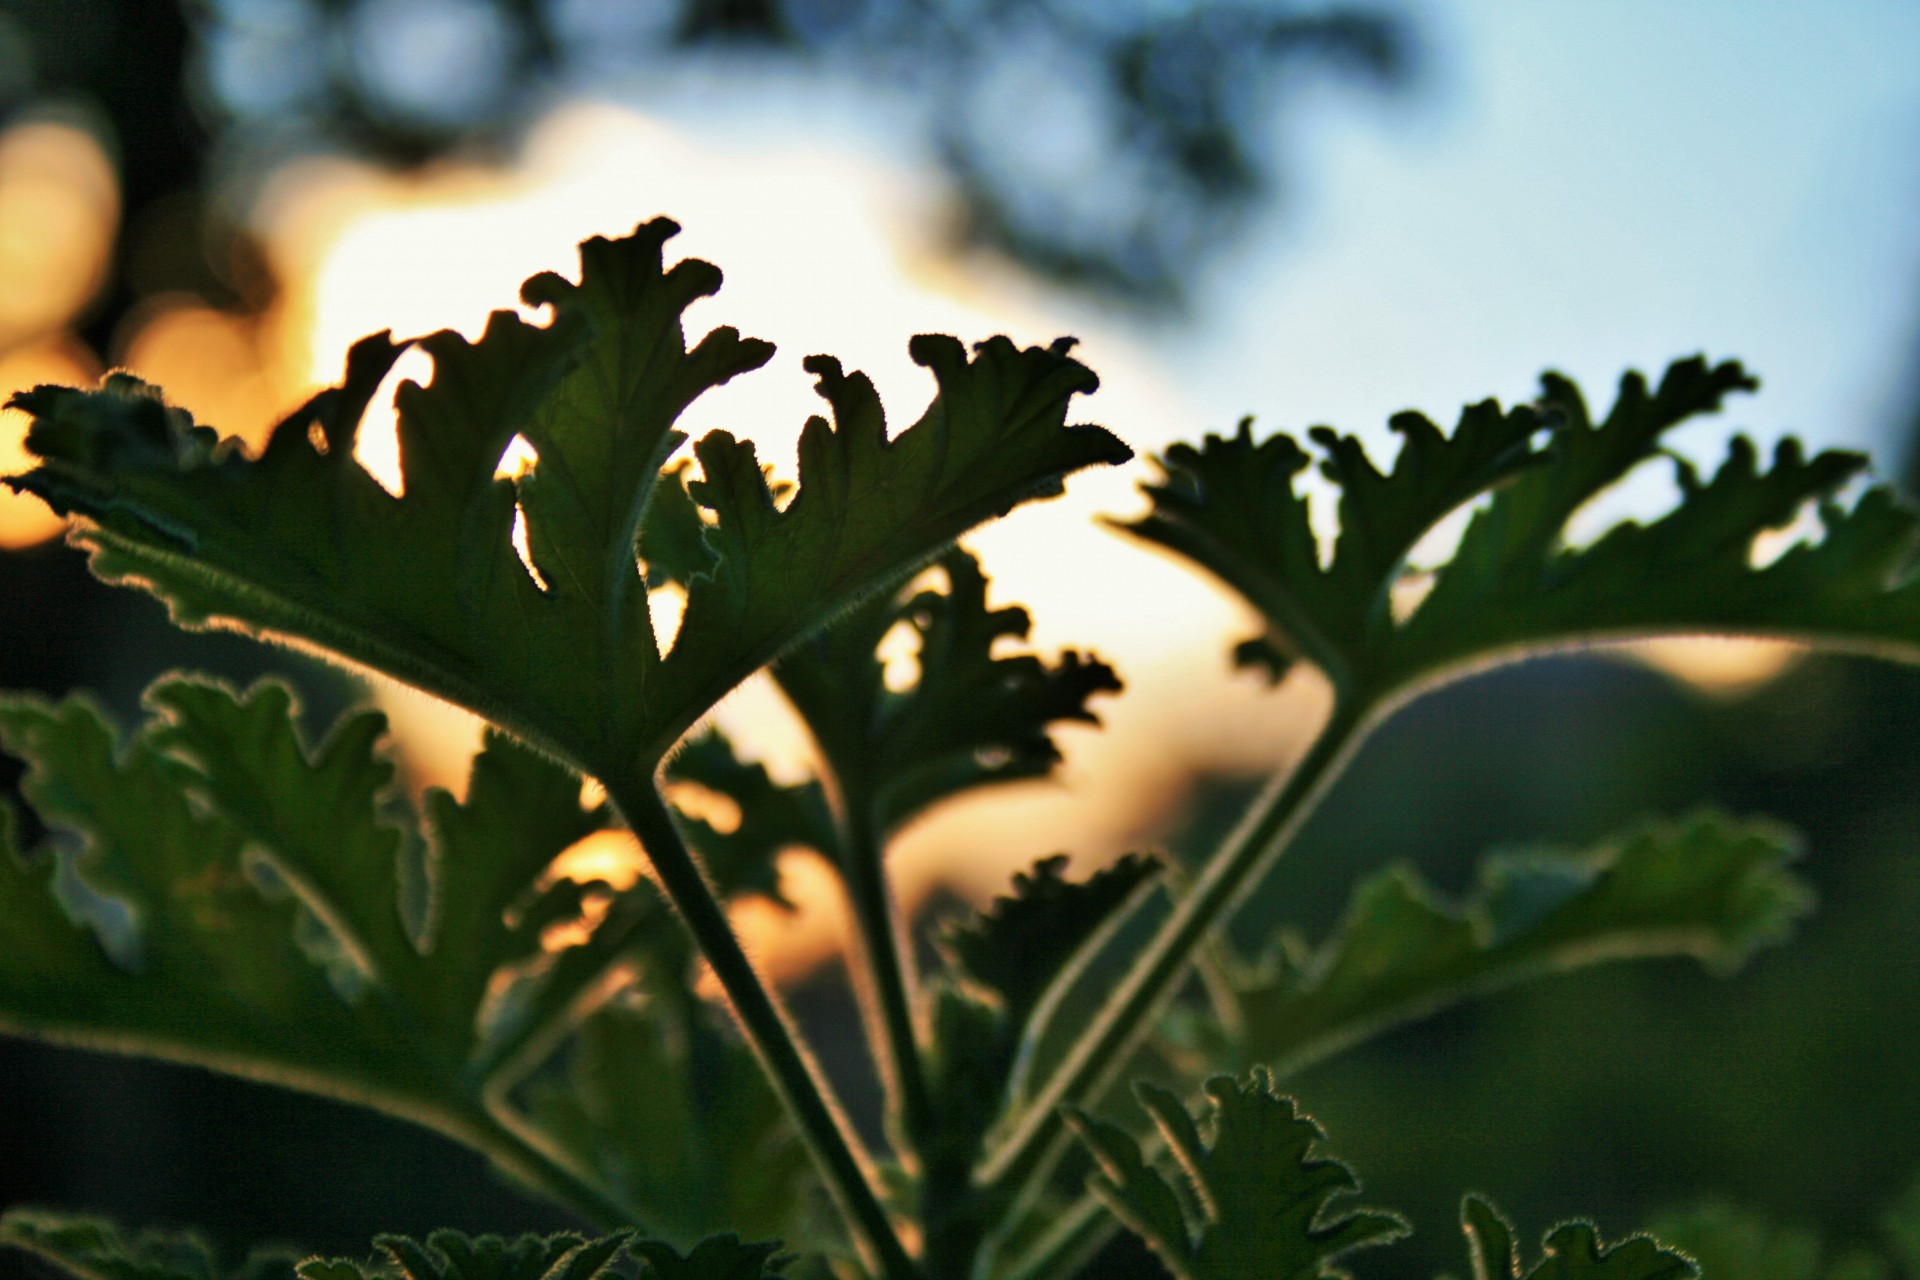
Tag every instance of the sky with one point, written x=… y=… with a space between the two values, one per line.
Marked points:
x=1592 y=186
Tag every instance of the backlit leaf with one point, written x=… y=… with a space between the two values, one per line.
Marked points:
x=1515 y=584
x=1260 y=1195
x=427 y=586
x=967 y=718
x=1571 y=1251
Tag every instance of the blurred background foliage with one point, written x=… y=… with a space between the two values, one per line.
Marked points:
x=1114 y=150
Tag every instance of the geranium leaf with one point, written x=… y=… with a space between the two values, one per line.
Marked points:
x=1006 y=959
x=766 y=816
x=454 y=1255
x=94 y=1249
x=147 y=933
x=661 y=1099
x=1571 y=1251
x=1515 y=584
x=1261 y=1197
x=1018 y=946
x=228 y=896
x=968 y=718
x=303 y=544
x=1705 y=887
x=722 y=1257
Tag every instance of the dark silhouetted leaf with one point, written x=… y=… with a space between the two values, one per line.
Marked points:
x=302 y=543
x=1514 y=584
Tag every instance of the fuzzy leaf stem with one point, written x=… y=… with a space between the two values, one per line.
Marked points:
x=1104 y=1049
x=768 y=1030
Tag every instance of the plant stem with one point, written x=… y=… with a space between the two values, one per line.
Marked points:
x=1103 y=1050
x=884 y=972
x=767 y=1030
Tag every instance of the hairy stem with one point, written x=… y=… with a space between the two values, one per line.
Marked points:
x=1103 y=1050
x=885 y=976
x=768 y=1031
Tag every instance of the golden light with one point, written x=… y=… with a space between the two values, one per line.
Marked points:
x=212 y=364
x=59 y=210
x=25 y=520
x=1720 y=666
x=612 y=856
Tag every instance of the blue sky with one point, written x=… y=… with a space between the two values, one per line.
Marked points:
x=1590 y=186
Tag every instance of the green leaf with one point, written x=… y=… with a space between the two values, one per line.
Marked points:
x=1261 y=1198
x=454 y=1255
x=661 y=1100
x=211 y=881
x=722 y=1257
x=1902 y=1225
x=1006 y=960
x=318 y=823
x=1732 y=1242
x=1514 y=584
x=1572 y=1251
x=767 y=817
x=303 y=544
x=969 y=718
x=1231 y=507
x=143 y=930
x=94 y=1249
x=1706 y=887
x=1019 y=945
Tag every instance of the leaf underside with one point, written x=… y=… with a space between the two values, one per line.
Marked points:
x=1514 y=584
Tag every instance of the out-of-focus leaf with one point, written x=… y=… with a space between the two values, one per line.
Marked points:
x=1006 y=959
x=454 y=1255
x=94 y=1249
x=661 y=1100
x=1902 y=1225
x=1728 y=1241
x=1571 y=1251
x=1259 y=1199
x=1017 y=947
x=1706 y=887
x=767 y=817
